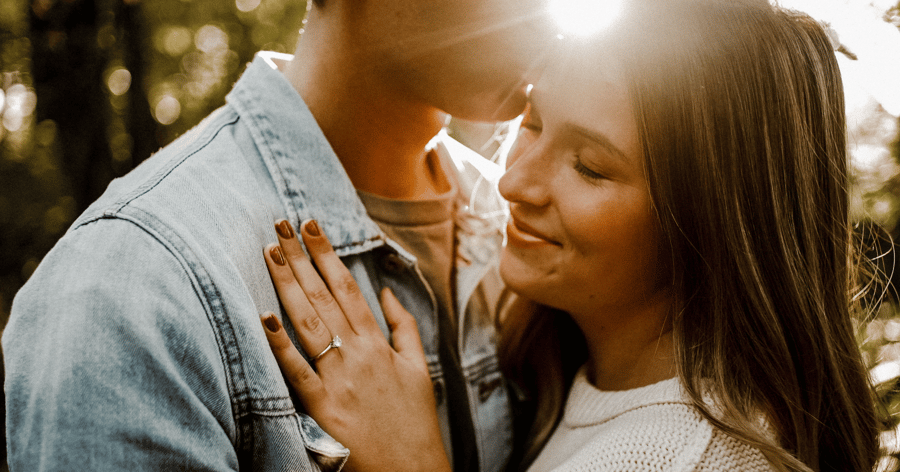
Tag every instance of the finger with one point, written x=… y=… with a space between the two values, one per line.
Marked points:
x=317 y=292
x=313 y=334
x=339 y=280
x=404 y=330
x=296 y=370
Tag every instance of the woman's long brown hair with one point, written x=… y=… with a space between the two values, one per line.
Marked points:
x=740 y=111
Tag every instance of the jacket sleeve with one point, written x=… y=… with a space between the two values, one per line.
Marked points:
x=111 y=363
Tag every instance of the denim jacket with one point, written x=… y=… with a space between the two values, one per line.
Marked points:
x=137 y=345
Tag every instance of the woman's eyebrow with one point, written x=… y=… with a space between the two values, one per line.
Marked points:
x=601 y=139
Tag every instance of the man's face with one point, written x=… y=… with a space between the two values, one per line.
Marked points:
x=470 y=58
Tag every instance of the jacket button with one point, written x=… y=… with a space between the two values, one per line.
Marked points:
x=486 y=388
x=392 y=264
x=438 y=391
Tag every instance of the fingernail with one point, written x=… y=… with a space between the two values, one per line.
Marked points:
x=271 y=322
x=312 y=228
x=277 y=256
x=284 y=229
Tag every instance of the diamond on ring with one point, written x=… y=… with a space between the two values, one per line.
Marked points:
x=336 y=342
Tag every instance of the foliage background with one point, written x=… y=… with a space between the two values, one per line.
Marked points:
x=90 y=88
x=93 y=87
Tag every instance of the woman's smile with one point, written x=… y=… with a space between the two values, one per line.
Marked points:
x=524 y=236
x=582 y=236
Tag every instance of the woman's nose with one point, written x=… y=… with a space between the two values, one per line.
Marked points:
x=527 y=177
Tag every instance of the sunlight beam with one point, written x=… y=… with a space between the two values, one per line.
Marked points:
x=584 y=17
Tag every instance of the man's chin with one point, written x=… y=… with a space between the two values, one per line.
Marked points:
x=512 y=106
x=497 y=108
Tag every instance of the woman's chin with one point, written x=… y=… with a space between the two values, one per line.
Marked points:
x=522 y=278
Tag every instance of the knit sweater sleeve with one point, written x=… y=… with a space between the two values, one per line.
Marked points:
x=669 y=437
x=726 y=453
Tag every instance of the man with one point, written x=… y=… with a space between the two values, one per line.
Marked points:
x=136 y=345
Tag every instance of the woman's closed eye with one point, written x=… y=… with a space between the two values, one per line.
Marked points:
x=587 y=172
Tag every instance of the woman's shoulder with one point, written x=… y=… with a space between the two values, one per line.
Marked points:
x=727 y=453
x=664 y=436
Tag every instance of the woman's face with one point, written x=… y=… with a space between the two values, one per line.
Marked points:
x=583 y=236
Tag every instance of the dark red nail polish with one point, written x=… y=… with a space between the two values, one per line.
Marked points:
x=312 y=228
x=284 y=229
x=271 y=323
x=277 y=256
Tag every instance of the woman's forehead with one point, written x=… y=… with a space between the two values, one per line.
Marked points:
x=581 y=76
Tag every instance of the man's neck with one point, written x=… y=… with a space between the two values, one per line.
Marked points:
x=378 y=134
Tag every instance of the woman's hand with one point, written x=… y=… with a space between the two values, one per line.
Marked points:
x=375 y=399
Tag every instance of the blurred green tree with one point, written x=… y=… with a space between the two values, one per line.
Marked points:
x=98 y=86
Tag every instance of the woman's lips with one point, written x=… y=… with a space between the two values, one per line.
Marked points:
x=521 y=235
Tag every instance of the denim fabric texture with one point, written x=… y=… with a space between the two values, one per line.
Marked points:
x=136 y=344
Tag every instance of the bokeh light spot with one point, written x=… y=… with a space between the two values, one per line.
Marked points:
x=121 y=146
x=12 y=121
x=21 y=100
x=119 y=81
x=210 y=38
x=191 y=62
x=45 y=133
x=167 y=110
x=883 y=207
x=176 y=40
x=873 y=159
x=28 y=268
x=106 y=37
x=584 y=17
x=55 y=220
x=247 y=5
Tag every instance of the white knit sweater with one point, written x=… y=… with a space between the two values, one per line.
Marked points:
x=652 y=428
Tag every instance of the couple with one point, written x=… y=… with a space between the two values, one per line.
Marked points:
x=680 y=254
x=679 y=250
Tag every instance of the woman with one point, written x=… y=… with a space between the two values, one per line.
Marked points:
x=680 y=248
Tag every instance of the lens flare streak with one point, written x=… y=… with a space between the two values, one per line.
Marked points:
x=584 y=17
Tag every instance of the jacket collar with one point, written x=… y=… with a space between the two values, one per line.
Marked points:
x=308 y=176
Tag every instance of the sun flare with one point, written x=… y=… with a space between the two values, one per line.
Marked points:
x=584 y=17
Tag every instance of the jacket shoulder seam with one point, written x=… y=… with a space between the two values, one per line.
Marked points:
x=201 y=136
